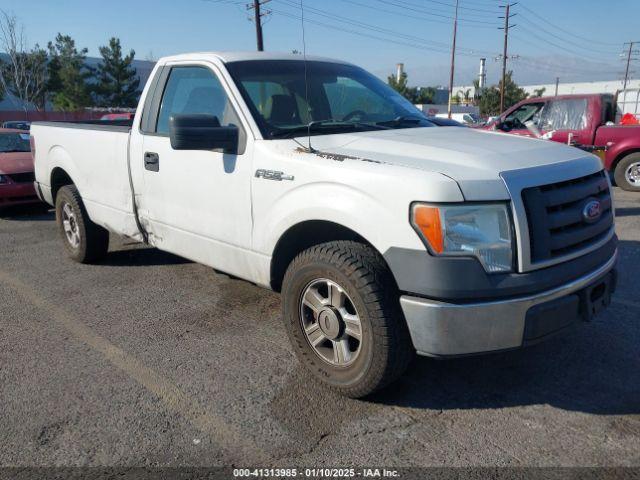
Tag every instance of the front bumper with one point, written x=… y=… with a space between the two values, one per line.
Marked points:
x=449 y=329
x=17 y=194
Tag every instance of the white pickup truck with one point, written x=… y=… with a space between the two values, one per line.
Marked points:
x=386 y=235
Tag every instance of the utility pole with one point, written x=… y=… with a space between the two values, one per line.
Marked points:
x=557 y=85
x=629 y=58
x=507 y=16
x=453 y=58
x=257 y=18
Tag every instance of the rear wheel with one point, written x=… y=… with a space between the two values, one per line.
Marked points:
x=627 y=173
x=84 y=241
x=341 y=311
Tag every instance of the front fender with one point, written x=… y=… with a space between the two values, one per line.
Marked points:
x=383 y=224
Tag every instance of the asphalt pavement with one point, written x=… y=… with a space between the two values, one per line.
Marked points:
x=150 y=360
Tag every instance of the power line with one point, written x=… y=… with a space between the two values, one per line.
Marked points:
x=396 y=3
x=412 y=16
x=483 y=12
x=558 y=37
x=442 y=47
x=353 y=32
x=563 y=48
x=412 y=42
x=584 y=39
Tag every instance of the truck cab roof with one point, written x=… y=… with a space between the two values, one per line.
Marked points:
x=242 y=56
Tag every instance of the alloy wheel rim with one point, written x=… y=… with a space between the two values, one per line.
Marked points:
x=632 y=174
x=70 y=225
x=331 y=322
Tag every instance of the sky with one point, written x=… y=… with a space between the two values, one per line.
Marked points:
x=577 y=40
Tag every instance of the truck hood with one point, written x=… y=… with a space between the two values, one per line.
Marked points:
x=474 y=159
x=16 y=162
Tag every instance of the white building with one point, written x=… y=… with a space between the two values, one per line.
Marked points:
x=609 y=86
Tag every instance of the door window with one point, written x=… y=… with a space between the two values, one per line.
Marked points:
x=523 y=114
x=194 y=90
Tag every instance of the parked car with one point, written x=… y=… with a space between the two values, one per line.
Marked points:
x=17 y=125
x=384 y=234
x=445 y=122
x=464 y=118
x=16 y=169
x=586 y=121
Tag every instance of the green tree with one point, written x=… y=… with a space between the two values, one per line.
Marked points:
x=538 y=92
x=414 y=94
x=489 y=100
x=68 y=75
x=118 y=81
x=425 y=95
x=465 y=97
x=399 y=84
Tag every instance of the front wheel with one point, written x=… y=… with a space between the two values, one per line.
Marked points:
x=84 y=241
x=341 y=311
x=627 y=173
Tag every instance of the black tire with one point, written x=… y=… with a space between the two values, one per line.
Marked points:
x=385 y=350
x=620 y=173
x=92 y=241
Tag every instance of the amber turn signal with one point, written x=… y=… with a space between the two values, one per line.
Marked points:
x=427 y=220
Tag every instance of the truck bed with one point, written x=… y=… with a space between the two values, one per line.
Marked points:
x=95 y=155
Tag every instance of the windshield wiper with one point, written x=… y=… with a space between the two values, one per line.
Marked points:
x=403 y=119
x=325 y=123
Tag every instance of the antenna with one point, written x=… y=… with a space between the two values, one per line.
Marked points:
x=310 y=149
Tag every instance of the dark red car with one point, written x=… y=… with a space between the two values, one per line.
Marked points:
x=16 y=169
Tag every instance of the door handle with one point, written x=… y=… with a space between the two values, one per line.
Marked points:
x=151 y=161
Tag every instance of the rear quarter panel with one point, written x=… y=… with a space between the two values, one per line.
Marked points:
x=96 y=161
x=620 y=140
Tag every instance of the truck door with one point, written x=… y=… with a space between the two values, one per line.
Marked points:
x=196 y=204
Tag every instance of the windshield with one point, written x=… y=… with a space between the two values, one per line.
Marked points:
x=342 y=98
x=14 y=142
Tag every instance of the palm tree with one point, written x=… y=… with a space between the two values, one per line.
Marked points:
x=466 y=95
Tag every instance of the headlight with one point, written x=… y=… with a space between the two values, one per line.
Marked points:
x=4 y=179
x=479 y=230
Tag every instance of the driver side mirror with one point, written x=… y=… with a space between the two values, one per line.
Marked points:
x=199 y=131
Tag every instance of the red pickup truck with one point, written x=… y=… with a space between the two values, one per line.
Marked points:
x=585 y=121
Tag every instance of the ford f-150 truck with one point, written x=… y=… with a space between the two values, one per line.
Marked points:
x=586 y=121
x=385 y=234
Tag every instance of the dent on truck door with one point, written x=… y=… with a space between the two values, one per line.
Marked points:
x=198 y=202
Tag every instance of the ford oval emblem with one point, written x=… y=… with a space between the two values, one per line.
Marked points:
x=592 y=211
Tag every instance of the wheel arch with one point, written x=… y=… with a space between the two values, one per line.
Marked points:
x=59 y=178
x=621 y=156
x=304 y=235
